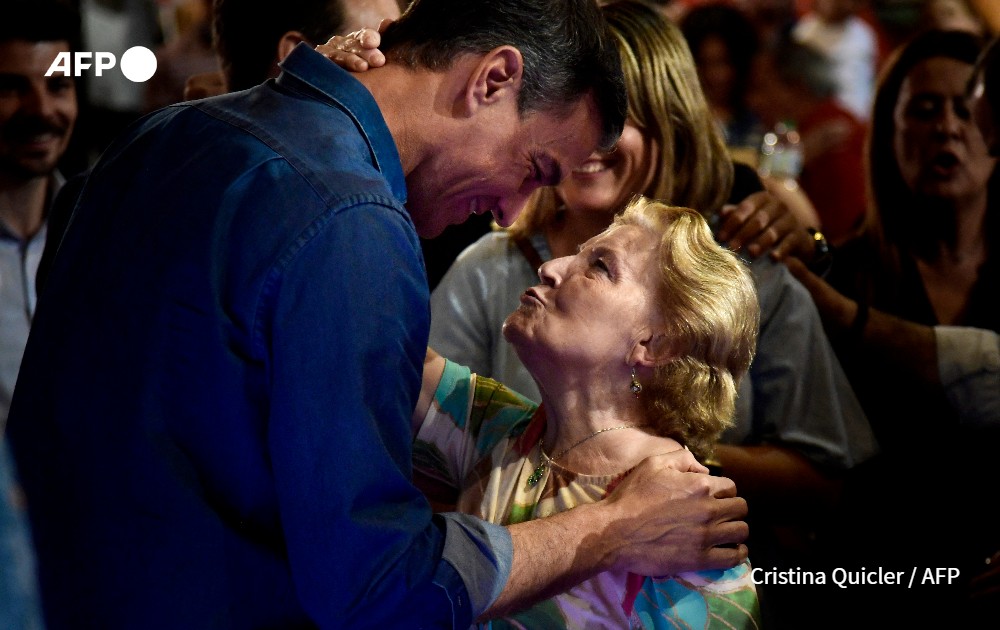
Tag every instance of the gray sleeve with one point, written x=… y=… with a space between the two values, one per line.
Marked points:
x=469 y=306
x=801 y=396
x=969 y=367
x=460 y=327
x=481 y=554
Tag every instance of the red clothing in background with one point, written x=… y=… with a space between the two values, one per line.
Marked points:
x=833 y=172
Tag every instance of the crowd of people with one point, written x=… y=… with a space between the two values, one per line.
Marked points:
x=493 y=313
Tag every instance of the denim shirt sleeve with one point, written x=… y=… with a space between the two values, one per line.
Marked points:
x=363 y=546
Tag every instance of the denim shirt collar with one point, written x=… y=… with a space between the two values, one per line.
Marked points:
x=306 y=68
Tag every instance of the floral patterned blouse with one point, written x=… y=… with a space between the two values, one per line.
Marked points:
x=477 y=447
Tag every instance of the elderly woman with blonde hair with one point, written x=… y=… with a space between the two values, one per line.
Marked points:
x=637 y=342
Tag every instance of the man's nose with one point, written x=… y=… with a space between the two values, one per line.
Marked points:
x=37 y=100
x=510 y=208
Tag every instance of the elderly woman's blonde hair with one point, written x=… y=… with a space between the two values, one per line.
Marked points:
x=708 y=302
x=665 y=102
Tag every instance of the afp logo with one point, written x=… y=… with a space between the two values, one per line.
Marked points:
x=138 y=63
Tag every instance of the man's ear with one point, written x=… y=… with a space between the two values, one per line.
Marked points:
x=288 y=42
x=652 y=349
x=495 y=78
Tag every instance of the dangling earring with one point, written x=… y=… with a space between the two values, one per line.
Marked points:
x=635 y=385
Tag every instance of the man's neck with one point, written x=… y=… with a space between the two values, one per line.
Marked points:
x=22 y=204
x=386 y=87
x=417 y=105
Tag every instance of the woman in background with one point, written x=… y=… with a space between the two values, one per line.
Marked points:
x=723 y=42
x=930 y=255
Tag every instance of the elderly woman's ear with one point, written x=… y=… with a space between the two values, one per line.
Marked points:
x=652 y=349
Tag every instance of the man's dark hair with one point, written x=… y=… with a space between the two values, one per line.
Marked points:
x=567 y=49
x=40 y=21
x=247 y=32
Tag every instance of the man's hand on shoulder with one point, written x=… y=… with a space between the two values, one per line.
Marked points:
x=668 y=516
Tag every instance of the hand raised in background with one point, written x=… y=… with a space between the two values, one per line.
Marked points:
x=765 y=222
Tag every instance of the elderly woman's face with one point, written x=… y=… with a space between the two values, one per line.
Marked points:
x=591 y=308
x=939 y=150
x=607 y=181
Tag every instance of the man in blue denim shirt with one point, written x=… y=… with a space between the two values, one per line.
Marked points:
x=212 y=423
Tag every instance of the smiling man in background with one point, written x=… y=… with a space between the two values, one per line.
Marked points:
x=37 y=115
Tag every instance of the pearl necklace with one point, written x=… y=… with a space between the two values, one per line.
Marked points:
x=536 y=475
